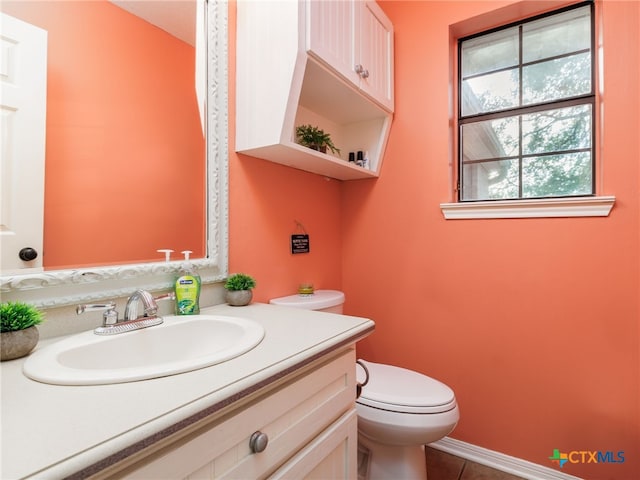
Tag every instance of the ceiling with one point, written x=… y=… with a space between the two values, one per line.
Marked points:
x=178 y=17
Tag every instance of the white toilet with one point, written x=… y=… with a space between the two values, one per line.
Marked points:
x=399 y=410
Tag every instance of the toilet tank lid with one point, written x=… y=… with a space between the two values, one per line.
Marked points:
x=320 y=299
x=398 y=389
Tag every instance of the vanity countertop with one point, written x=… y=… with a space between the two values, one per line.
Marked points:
x=52 y=431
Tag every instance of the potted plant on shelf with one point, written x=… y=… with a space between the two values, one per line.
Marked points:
x=315 y=138
x=18 y=332
x=239 y=287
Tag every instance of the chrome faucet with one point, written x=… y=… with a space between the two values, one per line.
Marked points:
x=150 y=307
x=112 y=325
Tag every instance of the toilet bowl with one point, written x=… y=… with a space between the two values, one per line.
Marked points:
x=399 y=410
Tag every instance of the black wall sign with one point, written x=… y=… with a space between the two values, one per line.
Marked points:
x=299 y=243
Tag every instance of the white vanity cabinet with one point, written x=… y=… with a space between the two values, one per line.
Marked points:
x=308 y=418
x=355 y=38
x=328 y=64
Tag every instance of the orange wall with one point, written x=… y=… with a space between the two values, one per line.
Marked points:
x=265 y=202
x=118 y=183
x=533 y=322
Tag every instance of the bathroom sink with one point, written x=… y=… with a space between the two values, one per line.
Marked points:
x=180 y=344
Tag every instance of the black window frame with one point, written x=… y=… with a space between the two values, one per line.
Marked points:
x=582 y=99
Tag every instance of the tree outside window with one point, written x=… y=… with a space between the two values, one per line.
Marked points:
x=526 y=109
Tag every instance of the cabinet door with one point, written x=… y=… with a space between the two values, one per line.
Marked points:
x=332 y=454
x=376 y=53
x=331 y=35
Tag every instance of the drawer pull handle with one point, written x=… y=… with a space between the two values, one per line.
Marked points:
x=258 y=442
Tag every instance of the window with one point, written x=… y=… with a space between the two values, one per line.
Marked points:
x=526 y=109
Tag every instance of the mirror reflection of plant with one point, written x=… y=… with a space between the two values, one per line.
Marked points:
x=18 y=316
x=314 y=137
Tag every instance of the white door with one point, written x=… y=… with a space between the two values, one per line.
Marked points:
x=23 y=95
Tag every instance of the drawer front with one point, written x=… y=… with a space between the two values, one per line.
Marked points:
x=291 y=416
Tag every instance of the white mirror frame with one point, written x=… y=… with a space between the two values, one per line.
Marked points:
x=67 y=287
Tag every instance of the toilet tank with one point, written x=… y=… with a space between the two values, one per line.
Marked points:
x=321 y=300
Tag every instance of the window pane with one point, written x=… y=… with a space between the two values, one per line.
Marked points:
x=490 y=180
x=509 y=147
x=490 y=139
x=556 y=79
x=489 y=93
x=490 y=52
x=557 y=35
x=557 y=175
x=557 y=130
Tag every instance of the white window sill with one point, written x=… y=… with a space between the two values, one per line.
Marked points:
x=539 y=208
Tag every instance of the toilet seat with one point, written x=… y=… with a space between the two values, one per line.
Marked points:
x=397 y=389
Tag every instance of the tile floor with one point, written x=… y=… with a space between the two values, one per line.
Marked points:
x=444 y=466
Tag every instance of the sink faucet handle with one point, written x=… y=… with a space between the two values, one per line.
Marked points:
x=109 y=317
x=89 y=307
x=166 y=296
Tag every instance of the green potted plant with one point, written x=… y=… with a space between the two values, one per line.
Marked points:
x=315 y=138
x=239 y=287
x=18 y=332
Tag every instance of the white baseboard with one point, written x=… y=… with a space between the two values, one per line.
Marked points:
x=499 y=461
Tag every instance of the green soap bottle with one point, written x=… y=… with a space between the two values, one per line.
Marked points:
x=187 y=288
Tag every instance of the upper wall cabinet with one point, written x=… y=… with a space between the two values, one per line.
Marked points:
x=329 y=64
x=355 y=38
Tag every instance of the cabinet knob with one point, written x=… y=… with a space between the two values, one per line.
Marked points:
x=258 y=442
x=360 y=70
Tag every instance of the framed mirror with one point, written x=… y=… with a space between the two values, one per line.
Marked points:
x=68 y=286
